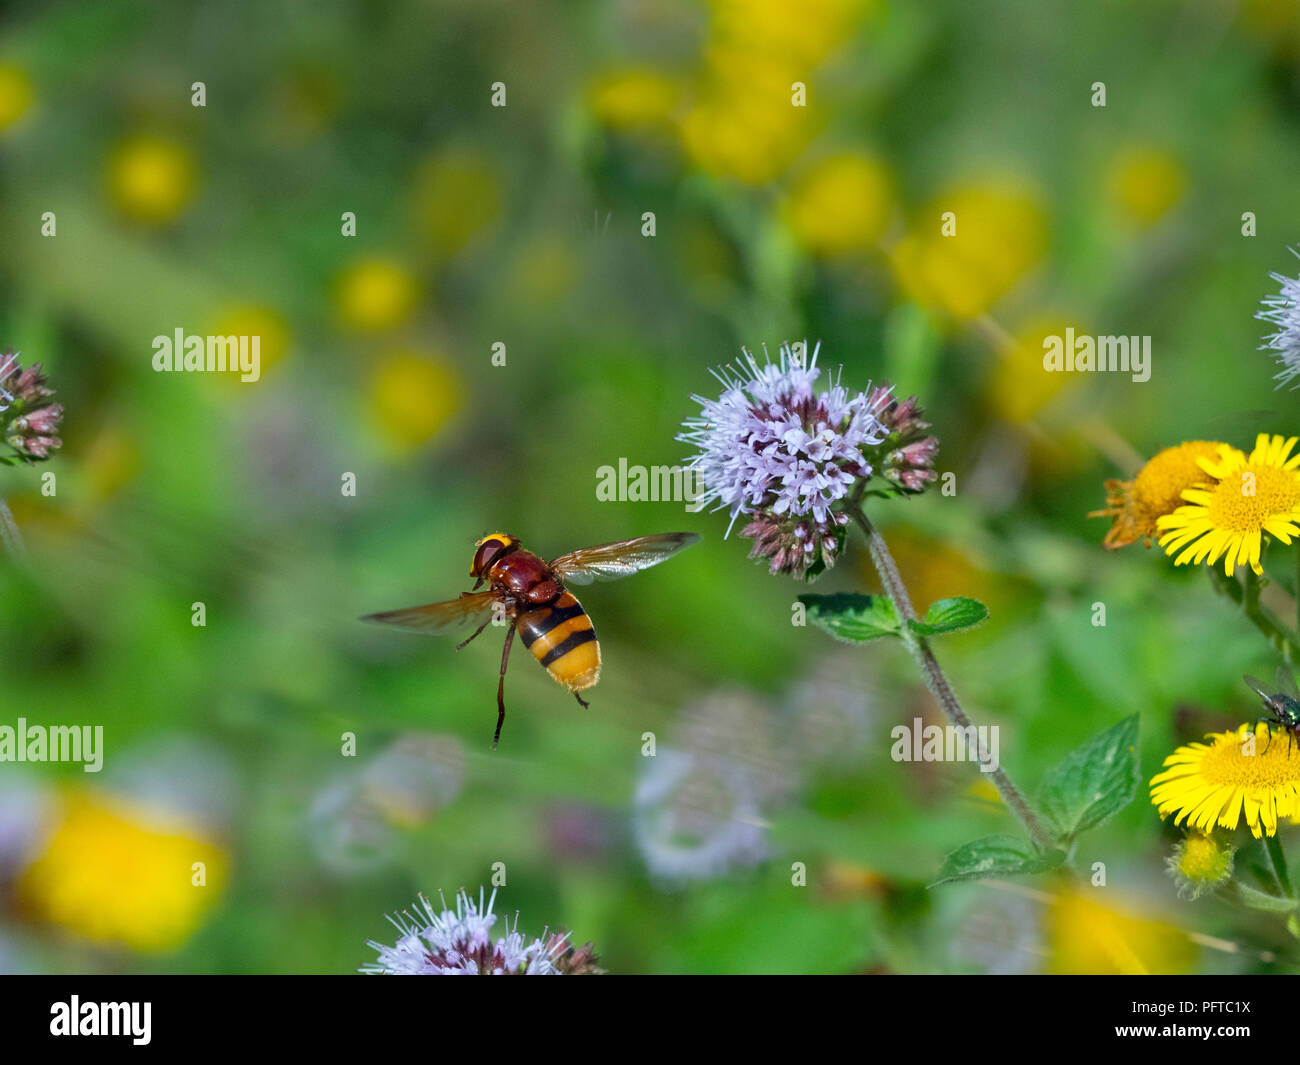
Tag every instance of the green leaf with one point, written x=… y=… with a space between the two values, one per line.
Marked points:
x=853 y=618
x=950 y=615
x=1262 y=900
x=996 y=856
x=1093 y=782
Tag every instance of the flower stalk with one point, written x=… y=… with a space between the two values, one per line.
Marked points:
x=1278 y=636
x=933 y=674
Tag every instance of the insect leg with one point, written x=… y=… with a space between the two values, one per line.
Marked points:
x=501 y=687
x=581 y=700
x=474 y=633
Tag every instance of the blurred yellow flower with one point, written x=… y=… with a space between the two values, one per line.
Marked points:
x=804 y=33
x=255 y=320
x=752 y=141
x=376 y=294
x=1087 y=937
x=109 y=462
x=16 y=94
x=633 y=96
x=412 y=395
x=743 y=123
x=1145 y=183
x=1019 y=387
x=151 y=179
x=998 y=232
x=842 y=204
x=458 y=196
x=113 y=873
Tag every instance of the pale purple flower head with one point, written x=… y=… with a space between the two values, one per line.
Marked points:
x=773 y=447
x=459 y=943
x=1283 y=311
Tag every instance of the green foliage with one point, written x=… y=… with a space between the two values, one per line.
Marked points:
x=1093 y=783
x=853 y=618
x=996 y=856
x=950 y=615
x=1255 y=899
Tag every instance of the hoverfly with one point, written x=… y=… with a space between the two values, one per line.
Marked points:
x=532 y=594
x=1283 y=705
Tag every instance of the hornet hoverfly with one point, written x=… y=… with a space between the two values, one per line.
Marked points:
x=532 y=594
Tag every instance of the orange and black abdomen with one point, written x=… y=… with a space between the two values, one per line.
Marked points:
x=562 y=638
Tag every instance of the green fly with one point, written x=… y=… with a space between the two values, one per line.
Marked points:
x=1283 y=705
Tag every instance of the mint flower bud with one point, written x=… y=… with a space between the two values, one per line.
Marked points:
x=29 y=424
x=906 y=456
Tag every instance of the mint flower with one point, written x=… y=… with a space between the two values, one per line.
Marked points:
x=459 y=943
x=1284 y=312
x=777 y=451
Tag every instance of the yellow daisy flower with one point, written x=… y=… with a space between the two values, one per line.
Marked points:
x=1254 y=494
x=1157 y=490
x=1229 y=778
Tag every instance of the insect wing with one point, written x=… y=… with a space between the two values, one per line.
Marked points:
x=1257 y=686
x=609 y=562
x=1286 y=683
x=436 y=618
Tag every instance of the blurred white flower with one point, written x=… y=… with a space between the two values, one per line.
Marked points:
x=1283 y=311
x=698 y=815
x=349 y=833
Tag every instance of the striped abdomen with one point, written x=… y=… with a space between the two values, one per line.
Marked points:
x=562 y=638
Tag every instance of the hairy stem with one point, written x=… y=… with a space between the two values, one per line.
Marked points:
x=10 y=536
x=933 y=674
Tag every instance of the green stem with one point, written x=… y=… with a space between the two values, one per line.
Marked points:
x=934 y=677
x=1273 y=844
x=1274 y=847
x=1282 y=639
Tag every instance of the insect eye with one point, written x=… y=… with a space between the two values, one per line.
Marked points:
x=485 y=556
